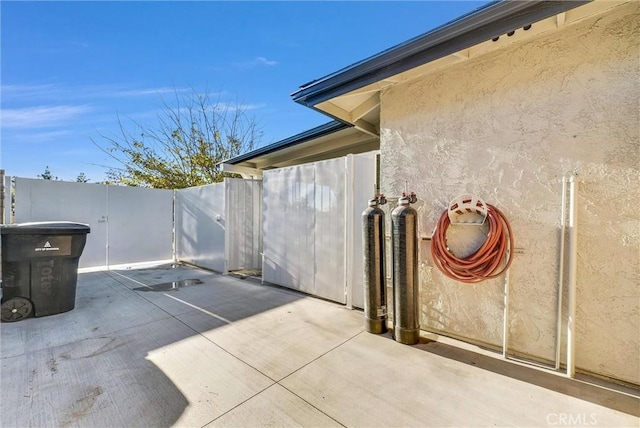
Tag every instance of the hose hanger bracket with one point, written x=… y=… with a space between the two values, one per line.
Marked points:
x=490 y=259
x=465 y=210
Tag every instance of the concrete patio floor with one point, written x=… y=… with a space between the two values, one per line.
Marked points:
x=232 y=352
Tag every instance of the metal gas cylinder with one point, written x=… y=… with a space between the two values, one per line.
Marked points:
x=404 y=241
x=375 y=303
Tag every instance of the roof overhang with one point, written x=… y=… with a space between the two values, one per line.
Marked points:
x=352 y=94
x=331 y=140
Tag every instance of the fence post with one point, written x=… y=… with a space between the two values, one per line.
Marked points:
x=2 y=198
x=2 y=219
x=350 y=196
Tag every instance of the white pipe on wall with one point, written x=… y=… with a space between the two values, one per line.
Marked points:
x=106 y=226
x=505 y=318
x=563 y=231
x=174 y=241
x=573 y=263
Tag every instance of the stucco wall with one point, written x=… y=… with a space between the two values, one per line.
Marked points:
x=508 y=126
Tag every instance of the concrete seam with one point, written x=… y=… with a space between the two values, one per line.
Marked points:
x=240 y=404
x=310 y=362
x=292 y=392
x=254 y=368
x=194 y=330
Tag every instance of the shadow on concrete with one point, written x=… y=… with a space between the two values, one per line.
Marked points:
x=121 y=356
x=573 y=387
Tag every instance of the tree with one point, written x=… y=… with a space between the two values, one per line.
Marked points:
x=81 y=178
x=192 y=137
x=46 y=175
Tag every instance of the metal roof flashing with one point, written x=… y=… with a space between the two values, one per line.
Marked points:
x=313 y=133
x=478 y=26
x=331 y=140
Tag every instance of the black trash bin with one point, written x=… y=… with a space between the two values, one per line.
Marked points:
x=40 y=268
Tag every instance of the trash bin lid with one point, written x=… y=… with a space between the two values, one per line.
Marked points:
x=45 y=228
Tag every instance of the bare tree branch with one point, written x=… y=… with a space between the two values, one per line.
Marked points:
x=193 y=135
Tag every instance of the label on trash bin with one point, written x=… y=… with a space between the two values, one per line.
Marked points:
x=54 y=246
x=43 y=280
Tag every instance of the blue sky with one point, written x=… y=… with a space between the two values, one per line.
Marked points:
x=69 y=68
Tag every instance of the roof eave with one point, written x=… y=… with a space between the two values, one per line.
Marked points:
x=476 y=27
x=310 y=134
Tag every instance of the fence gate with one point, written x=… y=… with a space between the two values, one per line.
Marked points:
x=244 y=224
x=219 y=226
x=200 y=226
x=128 y=224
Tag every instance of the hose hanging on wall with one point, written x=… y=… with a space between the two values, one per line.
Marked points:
x=491 y=260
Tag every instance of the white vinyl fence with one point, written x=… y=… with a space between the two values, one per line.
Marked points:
x=200 y=225
x=218 y=226
x=128 y=224
x=312 y=237
x=7 y=215
x=308 y=217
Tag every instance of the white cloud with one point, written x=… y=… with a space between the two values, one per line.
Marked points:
x=40 y=137
x=30 y=91
x=263 y=60
x=41 y=116
x=56 y=91
x=145 y=92
x=68 y=46
x=232 y=106
x=115 y=91
x=255 y=62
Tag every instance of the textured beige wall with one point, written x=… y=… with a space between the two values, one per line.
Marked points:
x=507 y=126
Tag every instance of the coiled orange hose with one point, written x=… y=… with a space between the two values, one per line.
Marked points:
x=486 y=262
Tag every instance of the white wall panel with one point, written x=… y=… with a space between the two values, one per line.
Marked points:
x=46 y=200
x=140 y=224
x=288 y=227
x=200 y=226
x=364 y=178
x=7 y=199
x=244 y=224
x=329 y=229
x=311 y=222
